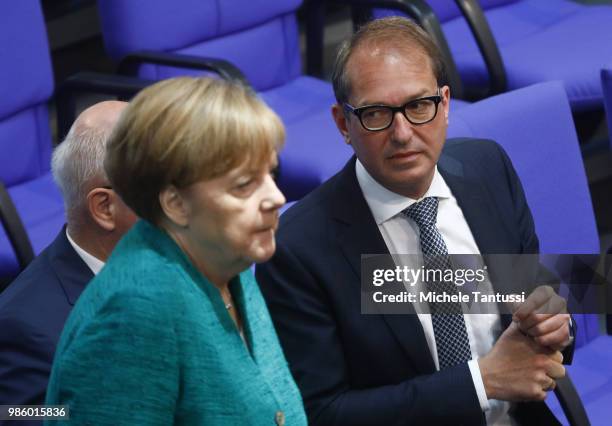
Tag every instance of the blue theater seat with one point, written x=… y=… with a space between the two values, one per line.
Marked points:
x=31 y=205
x=591 y=370
x=25 y=140
x=261 y=39
x=534 y=125
x=538 y=41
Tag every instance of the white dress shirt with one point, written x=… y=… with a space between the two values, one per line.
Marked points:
x=401 y=236
x=92 y=262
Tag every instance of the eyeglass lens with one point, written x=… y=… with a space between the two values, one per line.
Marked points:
x=418 y=111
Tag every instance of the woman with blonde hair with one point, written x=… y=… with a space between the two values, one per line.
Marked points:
x=174 y=329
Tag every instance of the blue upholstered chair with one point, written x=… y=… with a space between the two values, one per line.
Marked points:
x=258 y=37
x=534 y=125
x=26 y=84
x=538 y=41
x=31 y=206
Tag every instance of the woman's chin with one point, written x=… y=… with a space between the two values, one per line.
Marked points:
x=264 y=252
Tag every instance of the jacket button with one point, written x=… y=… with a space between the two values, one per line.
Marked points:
x=280 y=418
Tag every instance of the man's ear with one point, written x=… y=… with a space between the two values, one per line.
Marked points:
x=341 y=121
x=445 y=92
x=100 y=207
x=174 y=206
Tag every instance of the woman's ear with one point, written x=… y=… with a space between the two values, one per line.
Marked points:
x=175 y=206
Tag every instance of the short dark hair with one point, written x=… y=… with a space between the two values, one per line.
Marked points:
x=393 y=31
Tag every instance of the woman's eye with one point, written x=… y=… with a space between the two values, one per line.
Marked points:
x=274 y=173
x=244 y=187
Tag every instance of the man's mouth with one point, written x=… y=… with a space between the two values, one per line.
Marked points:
x=404 y=155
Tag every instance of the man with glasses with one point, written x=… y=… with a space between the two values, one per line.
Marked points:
x=406 y=191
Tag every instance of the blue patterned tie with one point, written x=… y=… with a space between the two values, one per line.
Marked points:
x=447 y=318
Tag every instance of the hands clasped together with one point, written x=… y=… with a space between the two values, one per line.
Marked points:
x=526 y=360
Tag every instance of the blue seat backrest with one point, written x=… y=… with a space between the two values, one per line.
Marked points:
x=26 y=84
x=535 y=127
x=258 y=36
x=446 y=10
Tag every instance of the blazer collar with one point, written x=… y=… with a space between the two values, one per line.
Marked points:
x=72 y=273
x=359 y=235
x=470 y=193
x=480 y=213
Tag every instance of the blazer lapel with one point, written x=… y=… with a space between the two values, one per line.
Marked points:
x=358 y=235
x=480 y=214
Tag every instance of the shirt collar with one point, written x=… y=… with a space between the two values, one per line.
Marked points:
x=385 y=204
x=91 y=261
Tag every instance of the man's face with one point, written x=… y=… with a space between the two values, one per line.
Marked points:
x=402 y=158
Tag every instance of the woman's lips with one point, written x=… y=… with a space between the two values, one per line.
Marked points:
x=271 y=227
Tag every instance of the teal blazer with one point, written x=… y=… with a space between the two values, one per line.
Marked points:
x=150 y=342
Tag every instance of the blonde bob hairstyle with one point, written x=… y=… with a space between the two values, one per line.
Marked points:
x=184 y=130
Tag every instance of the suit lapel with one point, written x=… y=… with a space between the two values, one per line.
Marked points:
x=358 y=235
x=69 y=268
x=478 y=211
x=480 y=215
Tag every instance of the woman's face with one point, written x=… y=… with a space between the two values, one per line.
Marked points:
x=232 y=218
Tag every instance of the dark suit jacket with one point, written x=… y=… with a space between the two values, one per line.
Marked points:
x=33 y=310
x=355 y=369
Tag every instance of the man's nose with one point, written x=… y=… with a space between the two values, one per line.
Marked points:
x=402 y=129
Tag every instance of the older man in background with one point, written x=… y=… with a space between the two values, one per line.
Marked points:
x=34 y=307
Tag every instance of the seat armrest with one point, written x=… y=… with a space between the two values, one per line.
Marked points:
x=69 y=91
x=571 y=403
x=14 y=229
x=418 y=10
x=225 y=69
x=474 y=16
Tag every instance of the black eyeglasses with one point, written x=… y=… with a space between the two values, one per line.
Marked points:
x=379 y=117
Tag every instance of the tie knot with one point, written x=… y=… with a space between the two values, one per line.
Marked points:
x=424 y=212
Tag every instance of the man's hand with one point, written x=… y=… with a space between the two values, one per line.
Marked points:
x=518 y=369
x=544 y=317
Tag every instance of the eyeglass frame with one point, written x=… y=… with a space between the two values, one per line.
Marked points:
x=395 y=109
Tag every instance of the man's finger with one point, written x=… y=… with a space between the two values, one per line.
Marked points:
x=555 y=370
x=532 y=320
x=546 y=324
x=537 y=298
x=555 y=305
x=557 y=339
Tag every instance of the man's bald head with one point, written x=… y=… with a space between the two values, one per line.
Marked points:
x=78 y=162
x=101 y=116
